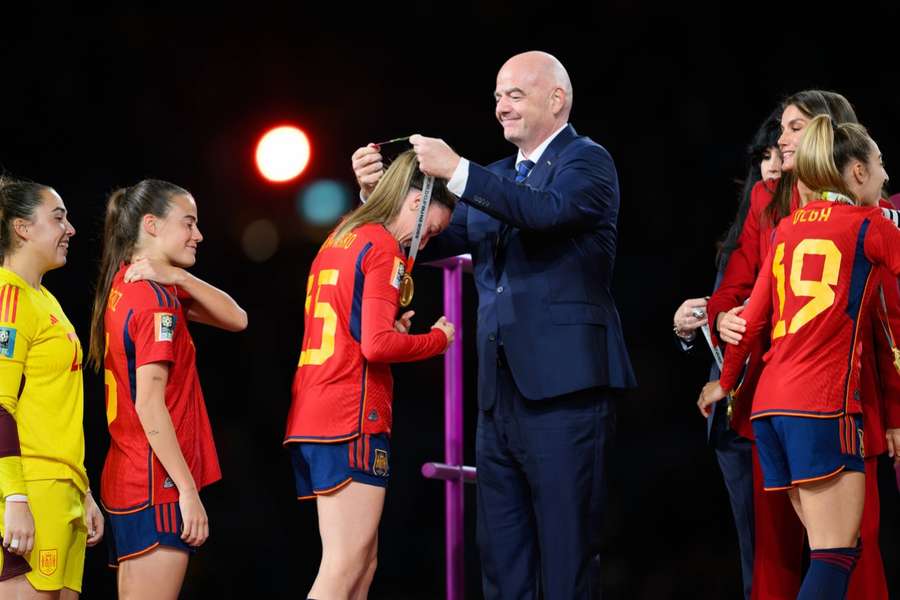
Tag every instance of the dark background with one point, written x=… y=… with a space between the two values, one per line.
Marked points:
x=93 y=101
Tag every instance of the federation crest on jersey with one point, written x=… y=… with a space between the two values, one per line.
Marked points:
x=398 y=272
x=164 y=327
x=380 y=466
x=7 y=341
x=48 y=561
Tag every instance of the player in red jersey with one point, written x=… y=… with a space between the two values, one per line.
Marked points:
x=778 y=533
x=817 y=285
x=161 y=451
x=339 y=424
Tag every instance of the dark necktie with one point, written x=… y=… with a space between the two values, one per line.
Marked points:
x=522 y=171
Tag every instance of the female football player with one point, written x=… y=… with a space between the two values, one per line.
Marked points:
x=47 y=514
x=340 y=419
x=162 y=452
x=816 y=287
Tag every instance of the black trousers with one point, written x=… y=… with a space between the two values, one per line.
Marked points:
x=541 y=492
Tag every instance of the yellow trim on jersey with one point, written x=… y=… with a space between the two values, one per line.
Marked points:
x=41 y=382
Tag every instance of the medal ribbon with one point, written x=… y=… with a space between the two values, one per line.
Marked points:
x=427 y=189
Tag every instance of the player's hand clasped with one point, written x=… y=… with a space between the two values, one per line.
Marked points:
x=712 y=392
x=18 y=528
x=447 y=327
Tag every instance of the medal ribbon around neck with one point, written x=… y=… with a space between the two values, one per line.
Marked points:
x=837 y=197
x=407 y=289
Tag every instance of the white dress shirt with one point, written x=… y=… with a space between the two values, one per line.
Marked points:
x=457 y=183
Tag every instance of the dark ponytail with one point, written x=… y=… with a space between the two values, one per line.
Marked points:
x=18 y=200
x=125 y=209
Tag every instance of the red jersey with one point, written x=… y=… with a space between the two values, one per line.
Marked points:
x=817 y=286
x=343 y=384
x=745 y=261
x=145 y=323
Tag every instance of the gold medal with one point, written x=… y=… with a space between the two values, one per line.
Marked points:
x=896 y=358
x=406 y=290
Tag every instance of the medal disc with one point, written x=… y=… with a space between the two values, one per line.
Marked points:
x=406 y=290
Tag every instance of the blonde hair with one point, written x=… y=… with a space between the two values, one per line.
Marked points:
x=826 y=150
x=386 y=200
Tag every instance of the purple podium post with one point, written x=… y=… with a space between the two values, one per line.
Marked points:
x=452 y=471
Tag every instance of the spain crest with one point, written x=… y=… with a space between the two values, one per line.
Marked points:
x=380 y=466
x=48 y=561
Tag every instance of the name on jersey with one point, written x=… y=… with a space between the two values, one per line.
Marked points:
x=164 y=326
x=816 y=215
x=7 y=341
x=397 y=272
x=344 y=242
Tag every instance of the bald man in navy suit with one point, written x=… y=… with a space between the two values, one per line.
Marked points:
x=541 y=228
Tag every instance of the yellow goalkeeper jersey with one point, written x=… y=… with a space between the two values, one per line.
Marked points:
x=41 y=386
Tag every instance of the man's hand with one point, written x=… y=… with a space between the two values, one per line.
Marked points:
x=368 y=168
x=436 y=158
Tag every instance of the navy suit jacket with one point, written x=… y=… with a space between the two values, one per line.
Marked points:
x=545 y=293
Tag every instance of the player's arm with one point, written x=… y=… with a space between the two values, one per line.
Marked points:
x=209 y=305
x=18 y=522
x=379 y=340
x=150 y=406
x=758 y=312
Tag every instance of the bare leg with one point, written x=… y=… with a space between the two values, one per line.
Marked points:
x=794 y=495
x=348 y=525
x=19 y=588
x=832 y=510
x=156 y=575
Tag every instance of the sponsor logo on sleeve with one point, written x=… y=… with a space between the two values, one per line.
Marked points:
x=7 y=341
x=398 y=272
x=164 y=327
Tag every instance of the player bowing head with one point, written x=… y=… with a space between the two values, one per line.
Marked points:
x=340 y=420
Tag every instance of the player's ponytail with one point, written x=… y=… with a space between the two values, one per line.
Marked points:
x=125 y=210
x=18 y=199
x=826 y=150
x=386 y=200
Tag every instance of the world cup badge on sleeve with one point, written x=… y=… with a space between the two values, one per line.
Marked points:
x=7 y=341
x=380 y=466
x=398 y=272
x=164 y=327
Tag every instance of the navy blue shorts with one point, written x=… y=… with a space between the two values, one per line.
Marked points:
x=137 y=533
x=325 y=468
x=798 y=450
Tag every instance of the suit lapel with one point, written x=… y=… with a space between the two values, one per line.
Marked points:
x=548 y=159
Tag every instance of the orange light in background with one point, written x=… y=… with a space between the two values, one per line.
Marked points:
x=282 y=153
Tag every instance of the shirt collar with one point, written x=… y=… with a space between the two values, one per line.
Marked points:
x=536 y=154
